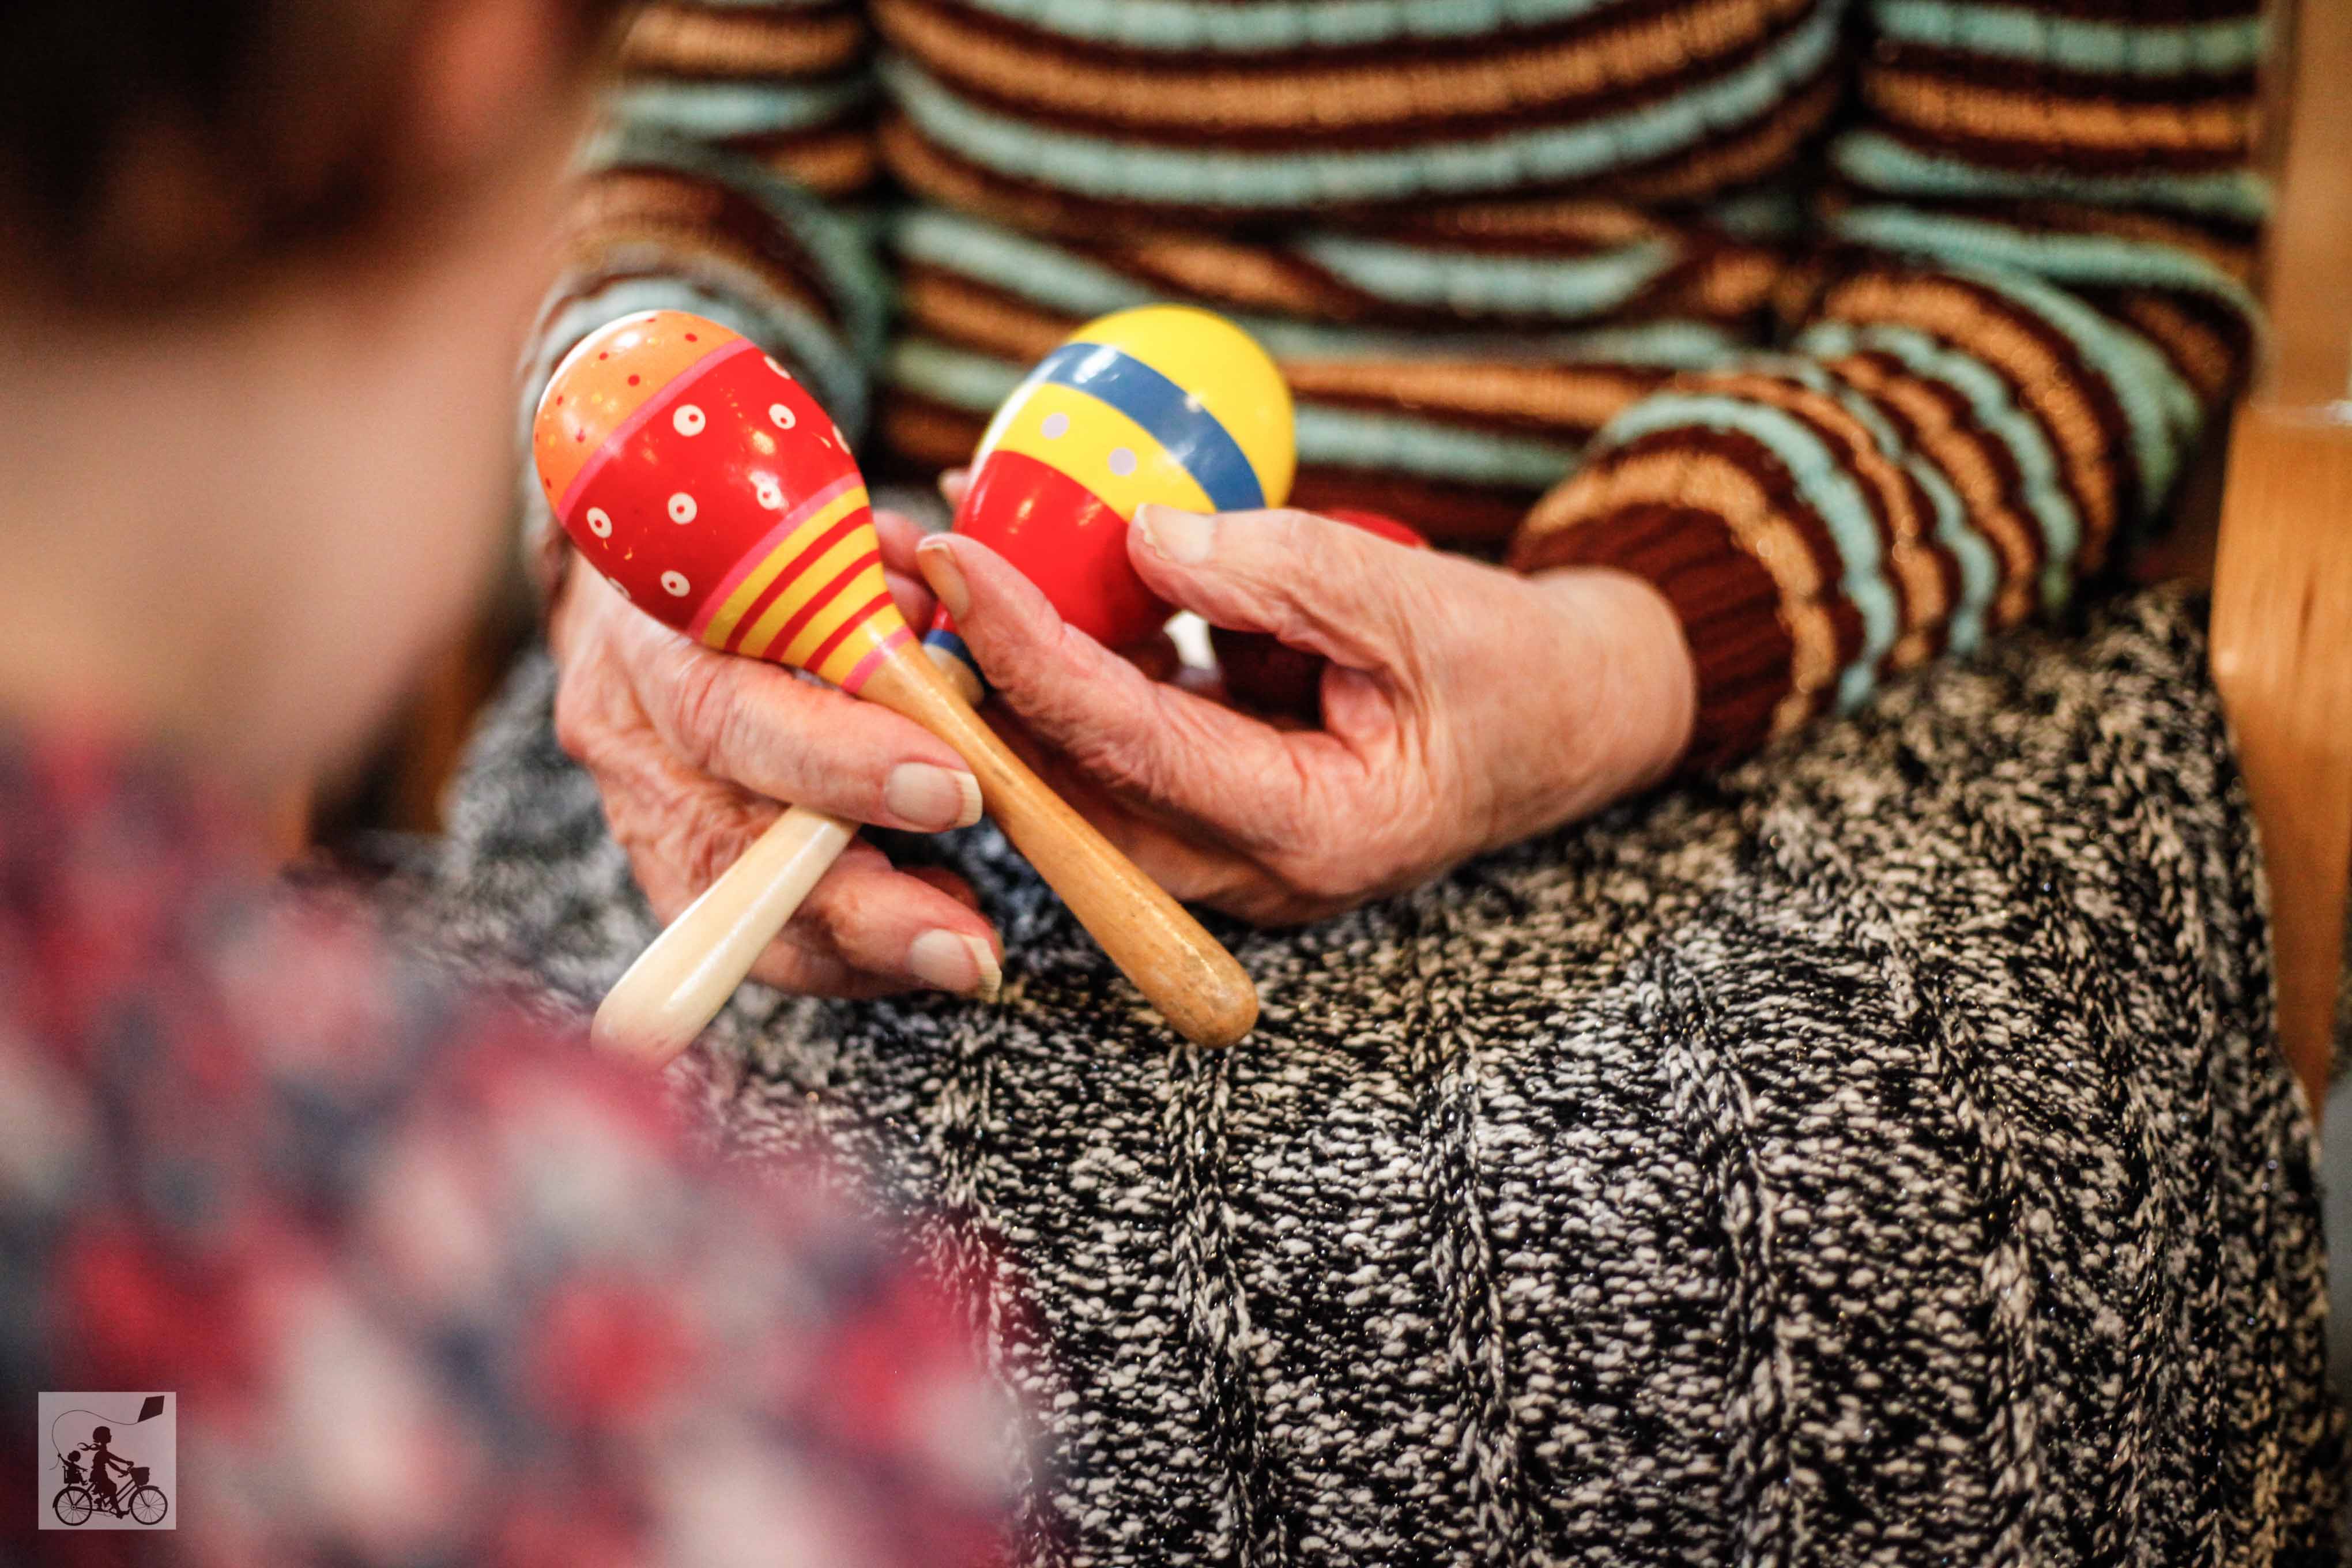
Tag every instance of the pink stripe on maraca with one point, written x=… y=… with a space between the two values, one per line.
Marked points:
x=818 y=603
x=842 y=633
x=866 y=667
x=618 y=440
x=815 y=550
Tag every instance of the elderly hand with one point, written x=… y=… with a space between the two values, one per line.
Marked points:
x=1464 y=707
x=692 y=749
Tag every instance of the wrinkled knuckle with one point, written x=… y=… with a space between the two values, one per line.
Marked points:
x=701 y=696
x=715 y=839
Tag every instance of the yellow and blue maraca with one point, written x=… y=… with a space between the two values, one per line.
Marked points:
x=1163 y=403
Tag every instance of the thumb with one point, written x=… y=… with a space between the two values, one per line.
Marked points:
x=1314 y=584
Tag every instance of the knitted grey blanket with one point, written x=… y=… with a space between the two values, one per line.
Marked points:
x=1880 y=1156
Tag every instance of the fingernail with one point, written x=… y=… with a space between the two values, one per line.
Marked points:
x=1179 y=535
x=940 y=570
x=953 y=961
x=931 y=797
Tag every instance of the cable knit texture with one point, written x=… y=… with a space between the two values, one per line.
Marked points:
x=1880 y=1156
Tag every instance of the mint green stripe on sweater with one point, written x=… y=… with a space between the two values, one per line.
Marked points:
x=1878 y=162
x=1033 y=270
x=2095 y=48
x=1971 y=552
x=1052 y=279
x=2161 y=410
x=1334 y=438
x=717 y=111
x=2041 y=490
x=2094 y=259
x=1257 y=26
x=1825 y=485
x=1131 y=170
x=1567 y=288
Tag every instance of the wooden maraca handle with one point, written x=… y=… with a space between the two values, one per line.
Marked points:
x=677 y=986
x=1199 y=987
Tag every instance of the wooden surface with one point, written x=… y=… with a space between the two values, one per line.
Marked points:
x=2282 y=582
x=1181 y=969
x=2283 y=659
x=2309 y=254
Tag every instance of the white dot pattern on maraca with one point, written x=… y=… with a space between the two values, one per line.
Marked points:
x=769 y=494
x=688 y=420
x=1056 y=425
x=781 y=415
x=676 y=584
x=1122 y=461
x=681 y=508
x=600 y=523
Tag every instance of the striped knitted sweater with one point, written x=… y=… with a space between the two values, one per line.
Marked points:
x=1862 y=330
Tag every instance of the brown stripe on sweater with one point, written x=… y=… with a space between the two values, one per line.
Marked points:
x=1477 y=518
x=831 y=160
x=1940 y=424
x=1732 y=157
x=1742 y=156
x=2147 y=13
x=2037 y=78
x=1244 y=277
x=1550 y=226
x=1468 y=46
x=693 y=41
x=2076 y=409
x=976 y=316
x=1921 y=572
x=1622 y=58
x=2231 y=248
x=2049 y=135
x=691 y=215
x=1552 y=400
x=2209 y=344
x=1738 y=480
x=2232 y=244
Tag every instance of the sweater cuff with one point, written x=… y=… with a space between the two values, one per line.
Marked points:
x=1727 y=602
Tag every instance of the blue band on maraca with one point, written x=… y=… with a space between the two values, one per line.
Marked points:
x=946 y=641
x=1186 y=431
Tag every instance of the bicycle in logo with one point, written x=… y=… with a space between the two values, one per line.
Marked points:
x=77 y=1499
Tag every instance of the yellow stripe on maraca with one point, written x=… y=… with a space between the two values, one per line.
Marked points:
x=855 y=600
x=747 y=592
x=800 y=593
x=1222 y=367
x=1086 y=441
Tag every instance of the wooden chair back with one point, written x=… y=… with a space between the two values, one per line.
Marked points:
x=2282 y=632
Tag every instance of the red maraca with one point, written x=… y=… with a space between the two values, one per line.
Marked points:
x=699 y=478
x=1263 y=672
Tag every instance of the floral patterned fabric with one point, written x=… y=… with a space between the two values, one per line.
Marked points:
x=432 y=1286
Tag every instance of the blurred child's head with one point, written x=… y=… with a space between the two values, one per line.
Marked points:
x=264 y=267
